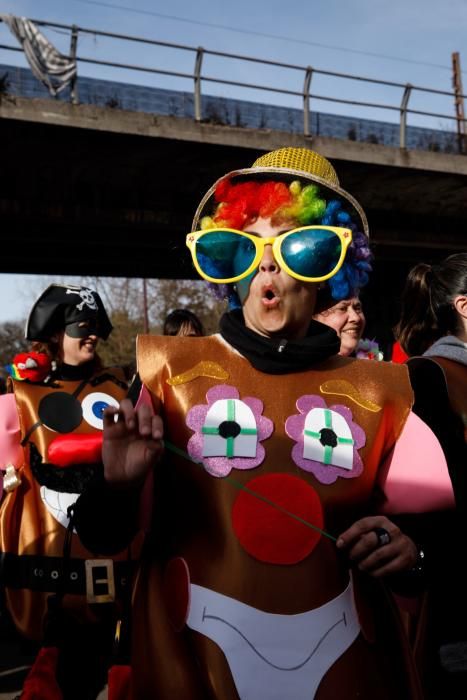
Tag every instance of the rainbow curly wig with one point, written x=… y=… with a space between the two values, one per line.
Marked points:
x=238 y=205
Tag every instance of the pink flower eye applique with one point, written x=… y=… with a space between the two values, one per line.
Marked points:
x=327 y=440
x=228 y=431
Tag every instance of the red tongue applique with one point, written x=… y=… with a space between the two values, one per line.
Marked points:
x=269 y=533
x=75 y=448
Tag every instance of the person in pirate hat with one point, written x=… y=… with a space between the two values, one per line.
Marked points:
x=56 y=591
x=283 y=463
x=70 y=320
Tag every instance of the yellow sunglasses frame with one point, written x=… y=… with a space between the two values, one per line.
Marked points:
x=344 y=235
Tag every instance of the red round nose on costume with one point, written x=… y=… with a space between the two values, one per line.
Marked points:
x=75 y=448
x=269 y=533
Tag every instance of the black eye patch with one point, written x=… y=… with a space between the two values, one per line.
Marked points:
x=60 y=411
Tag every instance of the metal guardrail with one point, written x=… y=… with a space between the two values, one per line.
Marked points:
x=198 y=78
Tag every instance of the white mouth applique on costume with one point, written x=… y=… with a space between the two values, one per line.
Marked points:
x=57 y=503
x=273 y=657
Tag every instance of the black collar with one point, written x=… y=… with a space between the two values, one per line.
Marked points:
x=279 y=355
x=74 y=373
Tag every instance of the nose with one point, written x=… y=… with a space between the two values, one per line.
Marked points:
x=268 y=262
x=355 y=316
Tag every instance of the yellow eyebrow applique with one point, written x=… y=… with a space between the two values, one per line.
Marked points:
x=341 y=387
x=202 y=369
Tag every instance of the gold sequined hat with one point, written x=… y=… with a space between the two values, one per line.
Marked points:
x=291 y=163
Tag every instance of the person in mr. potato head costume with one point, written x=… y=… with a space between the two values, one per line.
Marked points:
x=56 y=591
x=273 y=538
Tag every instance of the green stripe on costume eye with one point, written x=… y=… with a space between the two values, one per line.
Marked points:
x=230 y=410
x=311 y=433
x=345 y=441
x=327 y=458
x=206 y=430
x=230 y=417
x=248 y=431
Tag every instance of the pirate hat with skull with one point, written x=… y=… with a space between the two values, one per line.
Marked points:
x=60 y=306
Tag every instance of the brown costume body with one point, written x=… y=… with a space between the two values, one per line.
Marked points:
x=27 y=527
x=193 y=521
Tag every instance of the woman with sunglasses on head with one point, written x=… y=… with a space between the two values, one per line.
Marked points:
x=433 y=332
x=282 y=463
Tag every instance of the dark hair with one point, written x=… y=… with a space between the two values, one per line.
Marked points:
x=428 y=312
x=179 y=318
x=52 y=349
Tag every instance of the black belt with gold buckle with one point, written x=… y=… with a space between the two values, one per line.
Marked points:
x=100 y=580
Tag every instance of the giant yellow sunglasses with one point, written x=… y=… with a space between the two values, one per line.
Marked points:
x=308 y=253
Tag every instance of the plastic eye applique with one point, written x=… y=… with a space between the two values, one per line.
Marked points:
x=228 y=431
x=327 y=440
x=60 y=412
x=93 y=406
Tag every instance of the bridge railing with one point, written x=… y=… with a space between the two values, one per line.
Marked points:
x=200 y=78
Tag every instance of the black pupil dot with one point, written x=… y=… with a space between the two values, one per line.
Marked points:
x=328 y=437
x=229 y=428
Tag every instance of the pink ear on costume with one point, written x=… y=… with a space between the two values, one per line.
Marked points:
x=144 y=398
x=11 y=451
x=415 y=478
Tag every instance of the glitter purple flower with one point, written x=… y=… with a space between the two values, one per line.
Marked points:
x=228 y=431
x=327 y=440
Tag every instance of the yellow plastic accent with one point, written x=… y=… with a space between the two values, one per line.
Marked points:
x=341 y=387
x=344 y=234
x=202 y=369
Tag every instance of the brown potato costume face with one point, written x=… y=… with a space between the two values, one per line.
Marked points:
x=61 y=430
x=247 y=596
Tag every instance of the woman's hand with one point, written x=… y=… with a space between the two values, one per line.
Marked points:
x=364 y=543
x=132 y=443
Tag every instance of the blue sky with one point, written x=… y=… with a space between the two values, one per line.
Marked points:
x=402 y=41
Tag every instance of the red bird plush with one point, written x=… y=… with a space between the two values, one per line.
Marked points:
x=34 y=366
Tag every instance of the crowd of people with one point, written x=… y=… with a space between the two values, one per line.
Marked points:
x=139 y=550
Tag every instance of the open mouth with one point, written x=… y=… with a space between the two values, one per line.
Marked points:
x=60 y=487
x=269 y=296
x=291 y=665
x=58 y=503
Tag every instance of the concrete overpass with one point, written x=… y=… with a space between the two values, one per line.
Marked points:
x=88 y=190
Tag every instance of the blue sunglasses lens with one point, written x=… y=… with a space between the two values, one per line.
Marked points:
x=312 y=252
x=223 y=254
